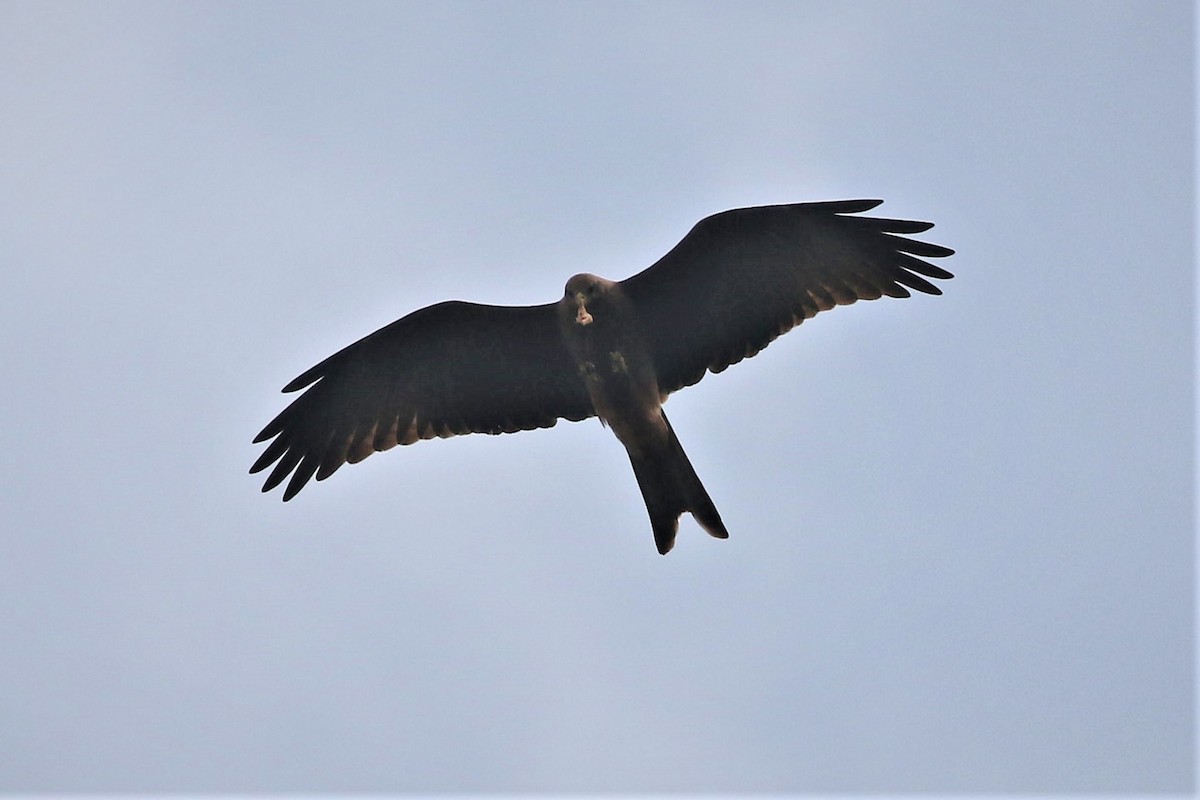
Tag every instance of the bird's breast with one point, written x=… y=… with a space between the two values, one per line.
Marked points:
x=625 y=395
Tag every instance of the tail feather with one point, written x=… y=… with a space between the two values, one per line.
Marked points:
x=670 y=487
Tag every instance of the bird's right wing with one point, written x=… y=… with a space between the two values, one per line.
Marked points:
x=449 y=369
x=741 y=278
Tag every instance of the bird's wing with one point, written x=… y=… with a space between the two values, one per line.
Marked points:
x=741 y=278
x=449 y=369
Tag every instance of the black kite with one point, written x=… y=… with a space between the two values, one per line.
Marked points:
x=609 y=349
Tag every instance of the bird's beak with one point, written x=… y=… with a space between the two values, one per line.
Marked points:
x=582 y=317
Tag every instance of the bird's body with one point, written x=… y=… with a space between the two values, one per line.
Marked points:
x=609 y=349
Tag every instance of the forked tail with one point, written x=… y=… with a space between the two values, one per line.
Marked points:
x=670 y=487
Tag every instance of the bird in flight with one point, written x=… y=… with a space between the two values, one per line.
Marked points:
x=610 y=349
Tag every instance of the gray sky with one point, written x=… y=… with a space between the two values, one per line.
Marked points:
x=961 y=554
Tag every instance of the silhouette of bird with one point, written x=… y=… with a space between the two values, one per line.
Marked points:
x=612 y=349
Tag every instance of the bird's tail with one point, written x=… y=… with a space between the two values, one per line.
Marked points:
x=670 y=487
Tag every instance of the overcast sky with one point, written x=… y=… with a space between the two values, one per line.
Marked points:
x=961 y=554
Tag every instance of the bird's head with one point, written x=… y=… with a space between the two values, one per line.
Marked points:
x=584 y=294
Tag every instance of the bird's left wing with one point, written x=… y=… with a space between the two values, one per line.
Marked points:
x=449 y=369
x=741 y=278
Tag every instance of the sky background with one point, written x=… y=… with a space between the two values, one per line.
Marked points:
x=961 y=553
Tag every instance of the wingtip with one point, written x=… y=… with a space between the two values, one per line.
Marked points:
x=850 y=206
x=261 y=463
x=272 y=481
x=271 y=428
x=306 y=378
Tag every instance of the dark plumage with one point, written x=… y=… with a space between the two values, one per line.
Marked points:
x=737 y=281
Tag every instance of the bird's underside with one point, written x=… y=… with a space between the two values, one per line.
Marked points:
x=615 y=350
